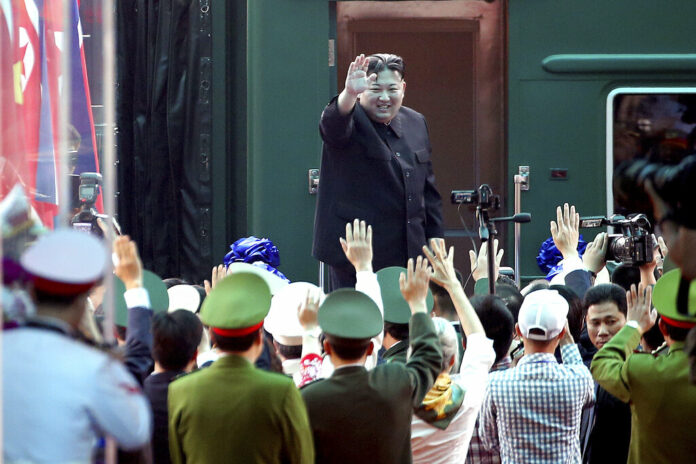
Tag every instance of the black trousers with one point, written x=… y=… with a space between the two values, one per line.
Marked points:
x=341 y=277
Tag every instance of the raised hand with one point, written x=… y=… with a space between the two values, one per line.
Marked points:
x=595 y=254
x=640 y=308
x=128 y=267
x=414 y=284
x=308 y=310
x=442 y=263
x=357 y=245
x=479 y=264
x=565 y=231
x=219 y=272
x=357 y=80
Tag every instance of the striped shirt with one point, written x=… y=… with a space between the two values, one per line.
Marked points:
x=531 y=413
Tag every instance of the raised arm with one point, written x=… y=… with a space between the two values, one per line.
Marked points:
x=425 y=361
x=129 y=268
x=444 y=274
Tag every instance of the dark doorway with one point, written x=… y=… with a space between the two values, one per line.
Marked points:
x=455 y=72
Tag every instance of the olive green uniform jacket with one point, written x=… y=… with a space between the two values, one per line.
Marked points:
x=361 y=416
x=233 y=412
x=663 y=402
x=397 y=352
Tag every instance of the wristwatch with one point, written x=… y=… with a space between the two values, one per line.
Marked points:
x=633 y=324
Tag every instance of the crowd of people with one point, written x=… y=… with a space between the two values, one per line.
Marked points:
x=404 y=367
x=396 y=364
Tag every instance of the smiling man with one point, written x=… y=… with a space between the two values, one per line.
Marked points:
x=375 y=167
x=606 y=429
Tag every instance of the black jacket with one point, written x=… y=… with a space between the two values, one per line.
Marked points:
x=390 y=184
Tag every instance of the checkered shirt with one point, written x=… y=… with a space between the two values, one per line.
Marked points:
x=531 y=413
x=477 y=454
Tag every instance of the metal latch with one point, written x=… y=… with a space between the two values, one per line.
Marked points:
x=523 y=177
x=313 y=177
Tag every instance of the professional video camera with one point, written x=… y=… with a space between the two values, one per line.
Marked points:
x=673 y=183
x=634 y=245
x=483 y=197
x=86 y=219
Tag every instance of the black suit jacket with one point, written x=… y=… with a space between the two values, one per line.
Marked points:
x=361 y=416
x=389 y=185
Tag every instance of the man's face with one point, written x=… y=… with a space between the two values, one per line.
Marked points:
x=603 y=321
x=383 y=98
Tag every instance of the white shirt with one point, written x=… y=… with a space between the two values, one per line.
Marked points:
x=59 y=395
x=431 y=445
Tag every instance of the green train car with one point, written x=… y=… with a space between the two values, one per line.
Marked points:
x=565 y=88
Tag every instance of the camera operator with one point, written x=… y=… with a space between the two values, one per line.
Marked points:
x=668 y=188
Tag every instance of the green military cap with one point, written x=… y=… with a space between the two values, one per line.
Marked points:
x=396 y=309
x=347 y=313
x=156 y=290
x=676 y=305
x=237 y=305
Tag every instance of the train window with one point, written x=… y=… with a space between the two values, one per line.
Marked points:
x=648 y=122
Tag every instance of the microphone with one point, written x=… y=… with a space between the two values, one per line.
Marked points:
x=520 y=218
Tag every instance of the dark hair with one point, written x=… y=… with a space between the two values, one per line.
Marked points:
x=381 y=61
x=234 y=344
x=625 y=275
x=288 y=351
x=398 y=331
x=172 y=281
x=576 y=312
x=443 y=301
x=496 y=320
x=41 y=298
x=606 y=292
x=503 y=279
x=653 y=337
x=534 y=285
x=175 y=338
x=201 y=292
x=511 y=296
x=678 y=334
x=348 y=349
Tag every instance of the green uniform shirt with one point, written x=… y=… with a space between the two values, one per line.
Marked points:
x=233 y=412
x=361 y=416
x=663 y=402
x=397 y=352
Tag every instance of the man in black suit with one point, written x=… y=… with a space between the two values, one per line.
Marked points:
x=176 y=337
x=375 y=167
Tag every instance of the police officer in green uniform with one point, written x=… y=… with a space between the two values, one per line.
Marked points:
x=231 y=411
x=663 y=402
x=397 y=314
x=358 y=415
